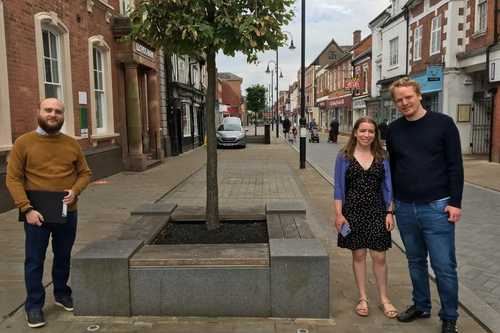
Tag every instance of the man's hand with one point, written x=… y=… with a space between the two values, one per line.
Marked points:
x=454 y=212
x=389 y=222
x=68 y=200
x=34 y=218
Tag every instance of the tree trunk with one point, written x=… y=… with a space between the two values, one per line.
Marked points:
x=212 y=185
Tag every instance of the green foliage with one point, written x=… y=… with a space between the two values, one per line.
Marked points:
x=196 y=27
x=256 y=98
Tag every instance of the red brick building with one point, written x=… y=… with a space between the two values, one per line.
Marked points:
x=70 y=50
x=451 y=51
x=231 y=93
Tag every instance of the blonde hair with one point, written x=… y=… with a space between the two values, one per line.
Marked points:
x=378 y=152
x=404 y=82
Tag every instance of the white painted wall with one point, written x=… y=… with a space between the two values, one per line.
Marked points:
x=395 y=29
x=454 y=93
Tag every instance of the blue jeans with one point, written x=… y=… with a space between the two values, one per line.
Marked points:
x=37 y=240
x=425 y=230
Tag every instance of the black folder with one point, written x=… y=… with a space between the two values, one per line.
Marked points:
x=47 y=203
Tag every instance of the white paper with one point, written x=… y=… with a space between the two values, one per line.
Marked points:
x=303 y=132
x=64 y=210
x=82 y=97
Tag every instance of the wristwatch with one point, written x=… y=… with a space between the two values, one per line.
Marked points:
x=390 y=212
x=28 y=210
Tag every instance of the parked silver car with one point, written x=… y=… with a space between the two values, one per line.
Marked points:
x=231 y=135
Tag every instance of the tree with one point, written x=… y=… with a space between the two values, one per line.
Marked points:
x=205 y=27
x=256 y=98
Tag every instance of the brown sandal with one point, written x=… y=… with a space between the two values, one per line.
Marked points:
x=390 y=309
x=361 y=308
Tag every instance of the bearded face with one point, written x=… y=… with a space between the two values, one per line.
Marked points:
x=51 y=115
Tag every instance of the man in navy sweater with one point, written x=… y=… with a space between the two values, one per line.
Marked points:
x=428 y=179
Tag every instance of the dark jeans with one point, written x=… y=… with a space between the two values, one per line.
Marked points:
x=37 y=240
x=425 y=230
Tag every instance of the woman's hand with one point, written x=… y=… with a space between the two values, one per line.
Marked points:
x=389 y=222
x=339 y=221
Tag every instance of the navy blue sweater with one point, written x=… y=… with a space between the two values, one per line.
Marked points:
x=426 y=159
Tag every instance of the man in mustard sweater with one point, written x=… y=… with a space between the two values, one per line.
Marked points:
x=47 y=160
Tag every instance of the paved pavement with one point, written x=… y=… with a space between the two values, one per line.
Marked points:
x=255 y=175
x=477 y=234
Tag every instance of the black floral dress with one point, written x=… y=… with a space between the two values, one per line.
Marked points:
x=364 y=209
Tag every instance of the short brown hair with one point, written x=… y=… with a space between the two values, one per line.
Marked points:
x=404 y=82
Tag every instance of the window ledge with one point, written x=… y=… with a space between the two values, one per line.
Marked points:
x=103 y=4
x=393 y=67
x=104 y=136
x=478 y=34
x=5 y=148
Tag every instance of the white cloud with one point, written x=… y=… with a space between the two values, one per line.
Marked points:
x=325 y=20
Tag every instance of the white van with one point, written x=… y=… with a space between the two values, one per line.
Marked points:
x=231 y=120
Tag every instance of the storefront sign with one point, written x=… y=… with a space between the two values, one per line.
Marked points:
x=339 y=102
x=322 y=104
x=351 y=84
x=432 y=81
x=358 y=104
x=144 y=50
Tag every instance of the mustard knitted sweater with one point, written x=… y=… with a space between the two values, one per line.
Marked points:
x=46 y=163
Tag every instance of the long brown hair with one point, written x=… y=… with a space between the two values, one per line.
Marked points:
x=378 y=152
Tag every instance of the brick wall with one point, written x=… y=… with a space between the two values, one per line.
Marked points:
x=420 y=66
x=482 y=40
x=22 y=62
x=360 y=66
x=231 y=93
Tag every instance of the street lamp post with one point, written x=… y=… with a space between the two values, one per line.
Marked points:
x=291 y=47
x=302 y=89
x=272 y=90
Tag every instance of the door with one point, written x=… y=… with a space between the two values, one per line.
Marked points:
x=481 y=130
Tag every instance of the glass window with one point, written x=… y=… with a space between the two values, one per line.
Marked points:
x=393 y=49
x=99 y=91
x=332 y=55
x=482 y=9
x=436 y=35
x=417 y=43
x=195 y=122
x=365 y=72
x=181 y=70
x=52 y=64
x=186 y=120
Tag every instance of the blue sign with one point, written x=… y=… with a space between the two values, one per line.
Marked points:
x=432 y=81
x=216 y=105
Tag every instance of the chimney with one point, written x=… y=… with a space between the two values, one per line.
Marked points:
x=356 y=37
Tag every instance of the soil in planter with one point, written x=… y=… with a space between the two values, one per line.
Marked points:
x=230 y=232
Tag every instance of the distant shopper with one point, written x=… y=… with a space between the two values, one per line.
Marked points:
x=428 y=174
x=47 y=160
x=294 y=132
x=334 y=130
x=312 y=124
x=286 y=127
x=383 y=130
x=363 y=202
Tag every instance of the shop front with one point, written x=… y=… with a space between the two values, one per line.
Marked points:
x=323 y=115
x=139 y=101
x=358 y=108
x=431 y=87
x=342 y=111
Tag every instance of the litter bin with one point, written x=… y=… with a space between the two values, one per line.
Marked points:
x=267 y=134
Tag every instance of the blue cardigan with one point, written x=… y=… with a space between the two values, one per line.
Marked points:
x=341 y=165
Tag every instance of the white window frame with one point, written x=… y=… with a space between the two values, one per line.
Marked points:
x=186 y=119
x=54 y=59
x=51 y=22
x=5 y=123
x=435 y=46
x=394 y=52
x=481 y=18
x=365 y=73
x=125 y=6
x=108 y=130
x=195 y=122
x=100 y=89
x=181 y=69
x=417 y=43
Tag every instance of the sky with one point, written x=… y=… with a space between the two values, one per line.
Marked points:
x=325 y=19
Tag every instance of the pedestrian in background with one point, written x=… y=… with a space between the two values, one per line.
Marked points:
x=363 y=201
x=428 y=175
x=334 y=130
x=47 y=160
x=383 y=130
x=286 y=128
